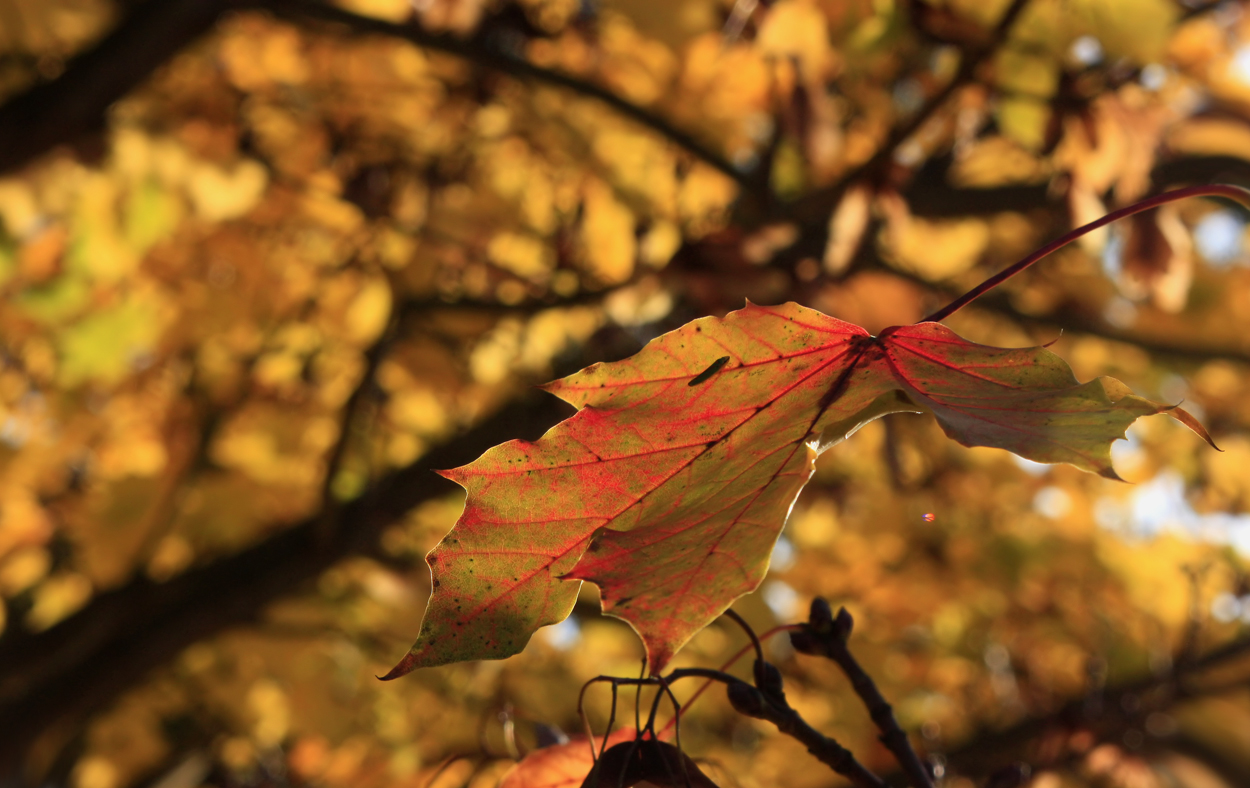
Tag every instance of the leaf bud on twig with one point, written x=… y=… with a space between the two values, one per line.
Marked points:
x=804 y=641
x=843 y=624
x=768 y=679
x=745 y=699
x=821 y=616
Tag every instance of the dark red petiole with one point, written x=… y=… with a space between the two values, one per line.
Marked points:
x=1212 y=190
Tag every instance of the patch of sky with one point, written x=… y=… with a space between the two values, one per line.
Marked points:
x=1219 y=237
x=908 y=96
x=1086 y=51
x=1153 y=77
x=783 y=555
x=744 y=159
x=1120 y=312
x=565 y=635
x=781 y=599
x=1239 y=65
x=1113 y=255
x=1173 y=388
x=1226 y=608
x=1159 y=507
x=1030 y=467
x=1128 y=450
x=1052 y=502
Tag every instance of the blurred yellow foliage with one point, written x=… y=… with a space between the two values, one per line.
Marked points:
x=293 y=262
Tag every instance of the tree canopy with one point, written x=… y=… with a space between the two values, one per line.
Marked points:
x=269 y=264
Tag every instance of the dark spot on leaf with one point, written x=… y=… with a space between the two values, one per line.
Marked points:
x=711 y=370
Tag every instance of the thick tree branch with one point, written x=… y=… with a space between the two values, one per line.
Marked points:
x=480 y=52
x=75 y=103
x=61 y=111
x=989 y=751
x=51 y=680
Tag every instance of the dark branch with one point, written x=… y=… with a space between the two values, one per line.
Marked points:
x=992 y=750
x=482 y=53
x=330 y=506
x=1216 y=190
x=769 y=703
x=51 y=680
x=826 y=636
x=814 y=209
x=74 y=104
x=732 y=615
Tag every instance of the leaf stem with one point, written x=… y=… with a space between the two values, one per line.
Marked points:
x=755 y=641
x=1235 y=193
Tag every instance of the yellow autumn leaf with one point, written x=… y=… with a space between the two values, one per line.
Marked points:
x=218 y=194
x=797 y=29
x=369 y=311
x=608 y=235
x=932 y=249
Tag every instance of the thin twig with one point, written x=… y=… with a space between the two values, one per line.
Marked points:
x=814 y=208
x=581 y=712
x=732 y=615
x=1208 y=190
x=826 y=636
x=351 y=411
x=739 y=654
x=642 y=672
x=773 y=707
x=1193 y=626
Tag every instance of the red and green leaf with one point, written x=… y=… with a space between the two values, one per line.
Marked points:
x=670 y=485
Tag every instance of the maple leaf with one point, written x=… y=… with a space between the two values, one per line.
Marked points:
x=670 y=485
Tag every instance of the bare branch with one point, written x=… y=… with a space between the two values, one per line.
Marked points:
x=827 y=637
x=74 y=104
x=480 y=52
x=61 y=111
x=991 y=750
x=813 y=210
x=49 y=681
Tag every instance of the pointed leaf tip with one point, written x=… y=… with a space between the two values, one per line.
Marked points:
x=1187 y=418
x=403 y=668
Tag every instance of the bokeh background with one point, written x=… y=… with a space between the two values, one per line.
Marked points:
x=266 y=264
